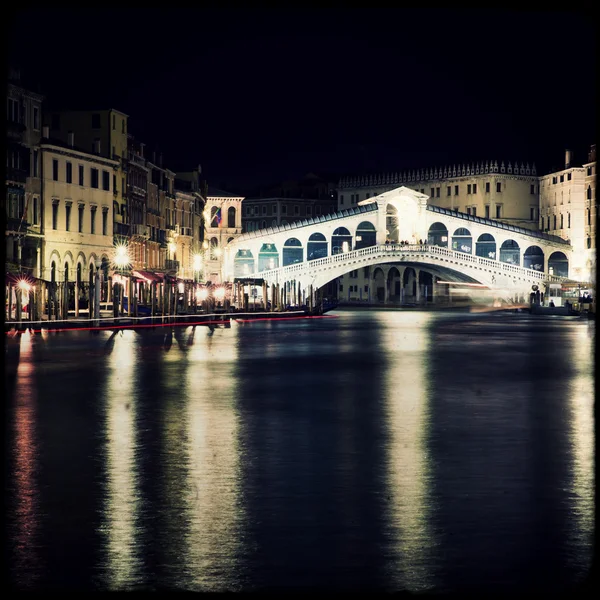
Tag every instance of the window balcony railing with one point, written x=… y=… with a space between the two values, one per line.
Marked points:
x=120 y=229
x=172 y=265
x=142 y=231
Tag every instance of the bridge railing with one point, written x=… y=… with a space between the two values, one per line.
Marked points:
x=398 y=250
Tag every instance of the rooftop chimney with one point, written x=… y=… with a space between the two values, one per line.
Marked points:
x=592 y=153
x=71 y=139
x=568 y=158
x=45 y=131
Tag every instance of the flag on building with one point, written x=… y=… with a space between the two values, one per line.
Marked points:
x=218 y=217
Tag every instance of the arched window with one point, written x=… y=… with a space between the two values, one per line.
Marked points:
x=366 y=235
x=317 y=246
x=510 y=253
x=340 y=237
x=589 y=193
x=214 y=248
x=558 y=264
x=66 y=271
x=263 y=224
x=438 y=235
x=215 y=216
x=274 y=223
x=53 y=272
x=554 y=222
x=533 y=258
x=231 y=217
x=589 y=217
x=292 y=252
x=562 y=220
x=268 y=257
x=243 y=263
x=486 y=246
x=462 y=241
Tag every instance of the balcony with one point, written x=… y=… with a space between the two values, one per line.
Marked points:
x=141 y=231
x=15 y=130
x=16 y=175
x=172 y=265
x=121 y=229
x=185 y=231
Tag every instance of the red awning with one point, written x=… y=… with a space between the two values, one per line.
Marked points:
x=149 y=276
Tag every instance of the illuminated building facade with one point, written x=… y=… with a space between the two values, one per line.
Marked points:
x=103 y=133
x=76 y=212
x=23 y=183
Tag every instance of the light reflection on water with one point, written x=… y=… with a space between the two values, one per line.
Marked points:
x=121 y=509
x=383 y=450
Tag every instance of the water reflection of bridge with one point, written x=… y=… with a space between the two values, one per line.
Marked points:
x=424 y=242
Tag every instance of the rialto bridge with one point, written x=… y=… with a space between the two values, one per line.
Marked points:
x=398 y=227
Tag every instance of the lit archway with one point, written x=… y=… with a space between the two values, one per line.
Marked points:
x=486 y=246
x=462 y=241
x=340 y=236
x=438 y=235
x=316 y=247
x=558 y=264
x=366 y=235
x=510 y=253
x=292 y=252
x=268 y=257
x=533 y=258
x=243 y=263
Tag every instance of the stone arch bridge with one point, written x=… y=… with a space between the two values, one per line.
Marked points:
x=399 y=227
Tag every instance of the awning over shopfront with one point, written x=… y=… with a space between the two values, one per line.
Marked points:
x=149 y=276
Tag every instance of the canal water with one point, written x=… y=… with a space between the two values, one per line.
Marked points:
x=371 y=450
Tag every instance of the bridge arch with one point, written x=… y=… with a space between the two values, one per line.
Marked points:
x=293 y=252
x=316 y=247
x=486 y=246
x=462 y=241
x=438 y=235
x=268 y=257
x=366 y=235
x=379 y=283
x=339 y=236
x=394 y=282
x=533 y=258
x=559 y=264
x=243 y=263
x=510 y=253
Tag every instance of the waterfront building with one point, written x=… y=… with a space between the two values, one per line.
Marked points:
x=104 y=133
x=137 y=195
x=260 y=213
x=76 y=212
x=568 y=210
x=185 y=248
x=591 y=213
x=223 y=224
x=505 y=192
x=23 y=184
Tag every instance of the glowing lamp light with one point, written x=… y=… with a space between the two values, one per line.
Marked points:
x=205 y=244
x=444 y=238
x=121 y=258
x=218 y=252
x=23 y=285
x=344 y=246
x=220 y=293
x=181 y=287
x=202 y=294
x=172 y=247
x=197 y=262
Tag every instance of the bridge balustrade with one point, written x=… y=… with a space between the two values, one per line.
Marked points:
x=406 y=251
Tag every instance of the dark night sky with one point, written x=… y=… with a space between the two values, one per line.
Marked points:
x=259 y=96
